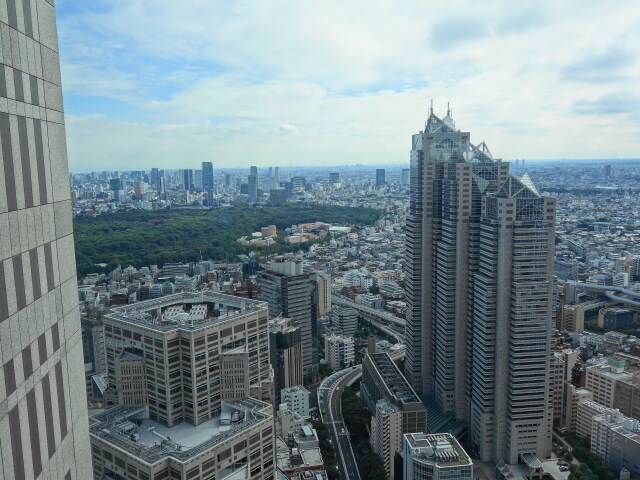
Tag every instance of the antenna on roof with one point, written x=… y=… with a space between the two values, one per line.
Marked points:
x=448 y=110
x=431 y=108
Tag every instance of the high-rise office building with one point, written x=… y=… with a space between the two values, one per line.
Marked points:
x=197 y=180
x=43 y=409
x=253 y=185
x=381 y=177
x=153 y=176
x=405 y=175
x=207 y=176
x=480 y=260
x=276 y=175
x=334 y=177
x=285 y=347
x=324 y=293
x=194 y=384
x=344 y=320
x=186 y=179
x=293 y=293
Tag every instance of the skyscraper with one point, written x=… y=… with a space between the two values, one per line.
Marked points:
x=285 y=353
x=207 y=176
x=404 y=176
x=43 y=417
x=293 y=293
x=452 y=337
x=381 y=177
x=197 y=180
x=253 y=185
x=186 y=179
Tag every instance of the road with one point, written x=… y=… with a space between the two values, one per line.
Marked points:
x=385 y=321
x=330 y=404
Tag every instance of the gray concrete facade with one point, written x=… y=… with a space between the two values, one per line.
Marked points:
x=43 y=411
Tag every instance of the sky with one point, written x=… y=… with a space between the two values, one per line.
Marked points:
x=170 y=84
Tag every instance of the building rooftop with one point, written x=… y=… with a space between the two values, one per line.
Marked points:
x=185 y=311
x=131 y=430
x=393 y=378
x=440 y=448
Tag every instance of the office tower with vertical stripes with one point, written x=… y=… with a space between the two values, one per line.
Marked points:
x=207 y=176
x=463 y=352
x=43 y=409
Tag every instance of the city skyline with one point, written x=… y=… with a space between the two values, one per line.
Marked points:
x=153 y=84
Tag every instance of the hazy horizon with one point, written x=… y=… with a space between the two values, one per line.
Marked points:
x=285 y=83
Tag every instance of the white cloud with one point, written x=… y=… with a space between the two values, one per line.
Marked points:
x=289 y=129
x=351 y=80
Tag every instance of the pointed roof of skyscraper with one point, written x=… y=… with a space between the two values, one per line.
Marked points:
x=515 y=187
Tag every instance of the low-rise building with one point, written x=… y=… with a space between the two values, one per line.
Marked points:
x=297 y=399
x=616 y=439
x=601 y=379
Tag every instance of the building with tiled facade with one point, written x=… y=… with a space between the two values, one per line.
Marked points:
x=43 y=411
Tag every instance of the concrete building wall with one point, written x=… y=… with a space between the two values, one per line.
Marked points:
x=339 y=351
x=192 y=370
x=586 y=410
x=297 y=399
x=601 y=380
x=43 y=418
x=386 y=434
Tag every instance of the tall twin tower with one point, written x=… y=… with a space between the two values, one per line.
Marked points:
x=479 y=288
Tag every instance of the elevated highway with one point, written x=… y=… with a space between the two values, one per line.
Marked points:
x=385 y=321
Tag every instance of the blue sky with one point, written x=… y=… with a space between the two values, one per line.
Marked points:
x=161 y=83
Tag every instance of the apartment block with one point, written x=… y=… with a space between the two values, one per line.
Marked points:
x=574 y=395
x=616 y=439
x=339 y=351
x=386 y=434
x=585 y=412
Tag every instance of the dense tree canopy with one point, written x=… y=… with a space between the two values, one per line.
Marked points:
x=142 y=237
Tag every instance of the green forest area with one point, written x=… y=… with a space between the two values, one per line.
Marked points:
x=142 y=237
